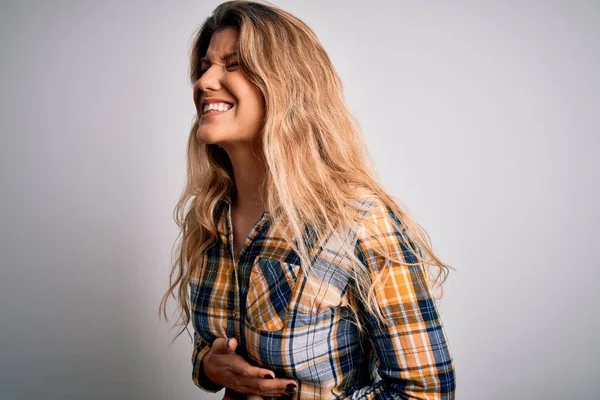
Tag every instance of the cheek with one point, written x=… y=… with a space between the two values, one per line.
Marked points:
x=249 y=98
x=250 y=110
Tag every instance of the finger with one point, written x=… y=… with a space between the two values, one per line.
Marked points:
x=219 y=345
x=224 y=345
x=269 y=387
x=253 y=397
x=232 y=344
x=244 y=369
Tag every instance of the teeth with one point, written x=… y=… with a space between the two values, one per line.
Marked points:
x=216 y=107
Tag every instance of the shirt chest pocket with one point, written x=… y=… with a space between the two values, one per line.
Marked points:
x=274 y=284
x=271 y=286
x=294 y=324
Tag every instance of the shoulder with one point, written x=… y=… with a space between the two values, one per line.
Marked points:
x=377 y=215
x=384 y=228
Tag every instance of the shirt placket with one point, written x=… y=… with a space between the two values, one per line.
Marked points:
x=240 y=272
x=232 y=326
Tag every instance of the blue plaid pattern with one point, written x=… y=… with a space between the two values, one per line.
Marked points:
x=301 y=328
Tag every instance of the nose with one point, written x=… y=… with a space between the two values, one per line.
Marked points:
x=210 y=79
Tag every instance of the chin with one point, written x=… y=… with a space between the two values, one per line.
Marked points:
x=208 y=136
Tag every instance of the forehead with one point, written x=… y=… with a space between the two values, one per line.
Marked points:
x=222 y=44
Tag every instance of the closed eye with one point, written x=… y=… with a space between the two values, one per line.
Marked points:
x=203 y=70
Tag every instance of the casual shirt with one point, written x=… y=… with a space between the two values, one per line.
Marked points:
x=301 y=327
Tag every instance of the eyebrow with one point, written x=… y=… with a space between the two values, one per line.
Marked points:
x=226 y=57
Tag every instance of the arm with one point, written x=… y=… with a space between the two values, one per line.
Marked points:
x=413 y=357
x=201 y=348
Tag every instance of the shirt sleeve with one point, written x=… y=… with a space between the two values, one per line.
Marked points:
x=413 y=359
x=201 y=348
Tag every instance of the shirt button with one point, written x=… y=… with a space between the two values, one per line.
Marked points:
x=233 y=314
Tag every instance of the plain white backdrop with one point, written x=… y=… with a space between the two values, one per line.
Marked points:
x=482 y=119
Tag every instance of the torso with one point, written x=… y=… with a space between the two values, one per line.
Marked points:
x=232 y=300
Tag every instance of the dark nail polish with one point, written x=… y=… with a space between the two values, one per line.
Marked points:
x=290 y=388
x=267 y=376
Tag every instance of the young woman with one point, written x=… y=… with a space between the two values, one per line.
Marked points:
x=306 y=278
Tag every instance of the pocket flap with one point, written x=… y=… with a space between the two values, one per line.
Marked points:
x=271 y=285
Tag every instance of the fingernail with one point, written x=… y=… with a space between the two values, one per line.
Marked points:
x=290 y=388
x=268 y=376
x=228 y=342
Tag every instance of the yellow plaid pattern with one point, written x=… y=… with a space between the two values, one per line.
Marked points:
x=301 y=327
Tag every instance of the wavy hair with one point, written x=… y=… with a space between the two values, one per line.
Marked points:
x=305 y=115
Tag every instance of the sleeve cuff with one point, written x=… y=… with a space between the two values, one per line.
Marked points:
x=199 y=377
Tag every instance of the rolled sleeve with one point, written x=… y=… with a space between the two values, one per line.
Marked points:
x=201 y=349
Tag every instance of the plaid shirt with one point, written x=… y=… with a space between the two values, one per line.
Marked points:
x=301 y=328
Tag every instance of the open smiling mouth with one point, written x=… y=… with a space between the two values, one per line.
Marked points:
x=213 y=113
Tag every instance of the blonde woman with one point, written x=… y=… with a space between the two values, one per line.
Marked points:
x=302 y=277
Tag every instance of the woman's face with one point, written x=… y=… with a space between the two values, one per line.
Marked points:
x=222 y=79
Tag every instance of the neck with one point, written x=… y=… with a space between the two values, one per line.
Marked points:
x=248 y=173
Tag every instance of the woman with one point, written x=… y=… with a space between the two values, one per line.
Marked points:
x=306 y=278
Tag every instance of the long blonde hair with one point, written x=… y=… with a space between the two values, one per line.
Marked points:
x=305 y=115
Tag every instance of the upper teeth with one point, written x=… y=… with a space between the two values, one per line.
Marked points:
x=217 y=106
